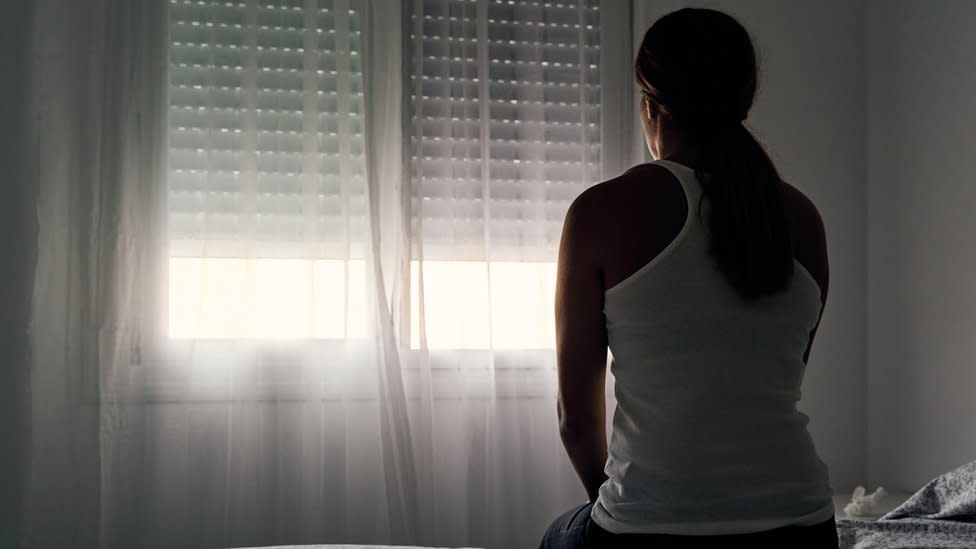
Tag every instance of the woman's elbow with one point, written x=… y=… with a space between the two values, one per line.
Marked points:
x=568 y=425
x=579 y=420
x=573 y=428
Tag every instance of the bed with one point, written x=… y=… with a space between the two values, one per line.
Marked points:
x=940 y=515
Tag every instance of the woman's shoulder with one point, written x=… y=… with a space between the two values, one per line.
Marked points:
x=809 y=237
x=607 y=211
x=803 y=214
x=642 y=191
x=639 y=179
x=796 y=199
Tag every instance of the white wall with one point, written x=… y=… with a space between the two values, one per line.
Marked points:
x=810 y=113
x=921 y=253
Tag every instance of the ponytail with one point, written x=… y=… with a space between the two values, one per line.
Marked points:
x=749 y=235
x=698 y=66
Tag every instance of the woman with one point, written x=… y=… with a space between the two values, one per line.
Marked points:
x=706 y=275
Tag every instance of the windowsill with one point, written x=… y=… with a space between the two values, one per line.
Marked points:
x=247 y=371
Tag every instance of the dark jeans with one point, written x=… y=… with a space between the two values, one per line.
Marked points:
x=575 y=529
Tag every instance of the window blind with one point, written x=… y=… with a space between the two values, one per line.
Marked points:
x=505 y=122
x=266 y=128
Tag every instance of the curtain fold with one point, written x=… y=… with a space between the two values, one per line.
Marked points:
x=98 y=147
x=402 y=446
x=294 y=268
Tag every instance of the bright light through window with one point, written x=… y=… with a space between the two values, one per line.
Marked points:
x=230 y=298
x=467 y=304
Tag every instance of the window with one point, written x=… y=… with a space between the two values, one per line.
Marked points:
x=505 y=123
x=267 y=202
x=266 y=185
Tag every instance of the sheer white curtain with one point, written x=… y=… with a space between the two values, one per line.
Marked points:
x=96 y=158
x=295 y=265
x=503 y=131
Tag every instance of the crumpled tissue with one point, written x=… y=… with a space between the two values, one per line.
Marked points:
x=862 y=505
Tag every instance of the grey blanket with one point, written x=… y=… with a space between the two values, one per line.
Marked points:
x=940 y=515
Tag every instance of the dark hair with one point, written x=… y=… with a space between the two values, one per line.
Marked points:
x=698 y=66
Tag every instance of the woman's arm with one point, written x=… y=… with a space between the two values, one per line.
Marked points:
x=581 y=345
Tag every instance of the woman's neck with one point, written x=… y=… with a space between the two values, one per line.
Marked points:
x=684 y=156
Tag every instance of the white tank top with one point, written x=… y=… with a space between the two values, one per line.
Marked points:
x=707 y=439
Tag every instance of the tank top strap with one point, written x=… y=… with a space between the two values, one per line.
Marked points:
x=686 y=176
